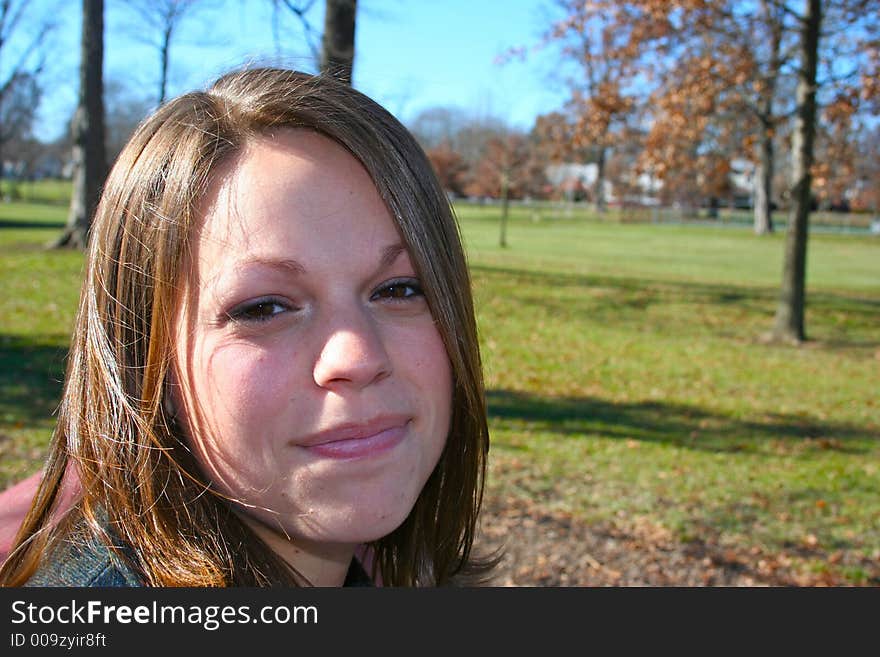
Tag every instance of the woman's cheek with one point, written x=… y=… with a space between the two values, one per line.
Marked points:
x=247 y=383
x=243 y=408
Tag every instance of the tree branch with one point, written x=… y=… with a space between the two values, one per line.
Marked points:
x=300 y=13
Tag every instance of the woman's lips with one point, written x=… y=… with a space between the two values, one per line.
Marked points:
x=351 y=441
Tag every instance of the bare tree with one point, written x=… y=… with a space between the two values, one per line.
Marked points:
x=162 y=18
x=435 y=126
x=336 y=56
x=89 y=158
x=300 y=10
x=19 y=99
x=124 y=109
x=19 y=88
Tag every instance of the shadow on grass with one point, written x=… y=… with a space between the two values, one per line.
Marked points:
x=623 y=300
x=24 y=223
x=31 y=375
x=683 y=425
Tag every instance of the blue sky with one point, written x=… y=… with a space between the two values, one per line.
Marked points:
x=410 y=54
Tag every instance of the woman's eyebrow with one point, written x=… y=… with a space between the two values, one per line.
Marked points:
x=293 y=267
x=285 y=265
x=389 y=255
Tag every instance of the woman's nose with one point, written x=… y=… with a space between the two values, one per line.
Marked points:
x=353 y=354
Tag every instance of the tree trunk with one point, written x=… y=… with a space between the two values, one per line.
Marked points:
x=89 y=158
x=599 y=186
x=764 y=185
x=337 y=56
x=789 y=324
x=763 y=209
x=163 y=56
x=505 y=208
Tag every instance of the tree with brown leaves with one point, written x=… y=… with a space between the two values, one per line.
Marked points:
x=505 y=169
x=603 y=42
x=450 y=167
x=716 y=80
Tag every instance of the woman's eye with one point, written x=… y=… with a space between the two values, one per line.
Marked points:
x=260 y=310
x=399 y=290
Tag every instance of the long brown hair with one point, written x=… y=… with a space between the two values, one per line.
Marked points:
x=138 y=477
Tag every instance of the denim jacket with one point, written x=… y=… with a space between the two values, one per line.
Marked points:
x=89 y=563
x=84 y=562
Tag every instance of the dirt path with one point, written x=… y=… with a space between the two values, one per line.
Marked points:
x=552 y=549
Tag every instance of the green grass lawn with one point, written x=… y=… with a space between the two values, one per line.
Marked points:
x=40 y=292
x=627 y=379
x=628 y=382
x=54 y=192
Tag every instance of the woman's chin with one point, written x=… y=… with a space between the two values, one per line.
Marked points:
x=364 y=527
x=353 y=526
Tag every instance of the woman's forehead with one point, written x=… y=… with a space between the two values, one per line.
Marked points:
x=293 y=166
x=295 y=195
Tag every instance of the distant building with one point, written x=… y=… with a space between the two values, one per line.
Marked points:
x=577 y=180
x=742 y=183
x=572 y=178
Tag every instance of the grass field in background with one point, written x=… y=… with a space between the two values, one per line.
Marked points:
x=40 y=292
x=627 y=379
x=53 y=192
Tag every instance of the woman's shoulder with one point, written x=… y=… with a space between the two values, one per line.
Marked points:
x=82 y=561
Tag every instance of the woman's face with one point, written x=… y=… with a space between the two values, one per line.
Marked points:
x=314 y=384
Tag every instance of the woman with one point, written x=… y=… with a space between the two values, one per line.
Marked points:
x=275 y=358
